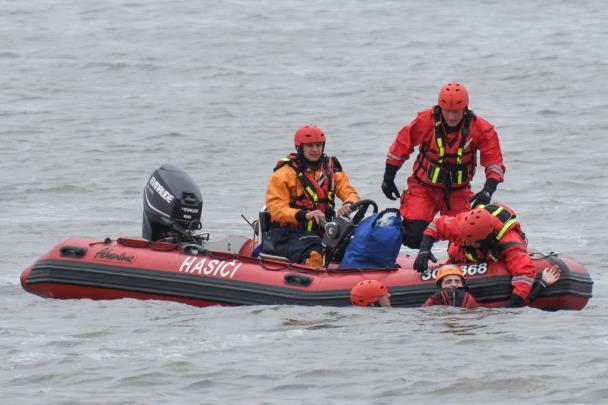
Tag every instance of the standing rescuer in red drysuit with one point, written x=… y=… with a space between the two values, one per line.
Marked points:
x=300 y=193
x=486 y=233
x=448 y=136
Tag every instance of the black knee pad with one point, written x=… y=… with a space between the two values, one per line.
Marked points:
x=412 y=233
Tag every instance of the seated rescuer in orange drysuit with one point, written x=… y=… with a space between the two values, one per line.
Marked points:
x=300 y=193
x=370 y=293
x=485 y=233
x=449 y=136
x=451 y=289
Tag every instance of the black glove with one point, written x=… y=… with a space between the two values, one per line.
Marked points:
x=421 y=264
x=515 y=301
x=485 y=195
x=389 y=188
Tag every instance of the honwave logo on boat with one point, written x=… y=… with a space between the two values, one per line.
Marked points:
x=164 y=194
x=468 y=270
x=213 y=267
x=109 y=254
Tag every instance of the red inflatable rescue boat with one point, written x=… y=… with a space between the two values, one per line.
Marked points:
x=137 y=268
x=175 y=262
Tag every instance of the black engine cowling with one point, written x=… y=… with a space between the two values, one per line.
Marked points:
x=172 y=201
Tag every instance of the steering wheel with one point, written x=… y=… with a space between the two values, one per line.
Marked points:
x=362 y=206
x=339 y=231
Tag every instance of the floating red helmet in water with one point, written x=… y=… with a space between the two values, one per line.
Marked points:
x=453 y=96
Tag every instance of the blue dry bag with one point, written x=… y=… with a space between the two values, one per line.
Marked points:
x=376 y=243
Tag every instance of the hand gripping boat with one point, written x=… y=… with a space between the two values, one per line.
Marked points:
x=172 y=262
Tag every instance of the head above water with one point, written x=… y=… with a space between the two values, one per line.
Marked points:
x=449 y=276
x=370 y=292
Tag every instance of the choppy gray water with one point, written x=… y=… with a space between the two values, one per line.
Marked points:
x=96 y=95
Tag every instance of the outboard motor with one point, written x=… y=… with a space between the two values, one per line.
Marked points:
x=172 y=205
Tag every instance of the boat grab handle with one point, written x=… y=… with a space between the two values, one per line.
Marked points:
x=72 y=251
x=297 y=279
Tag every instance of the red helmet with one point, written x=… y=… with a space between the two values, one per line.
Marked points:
x=477 y=224
x=453 y=96
x=308 y=134
x=367 y=292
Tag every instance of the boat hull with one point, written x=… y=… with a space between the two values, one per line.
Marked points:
x=84 y=268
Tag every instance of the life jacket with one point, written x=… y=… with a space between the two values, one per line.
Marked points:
x=446 y=165
x=453 y=297
x=317 y=194
x=491 y=247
